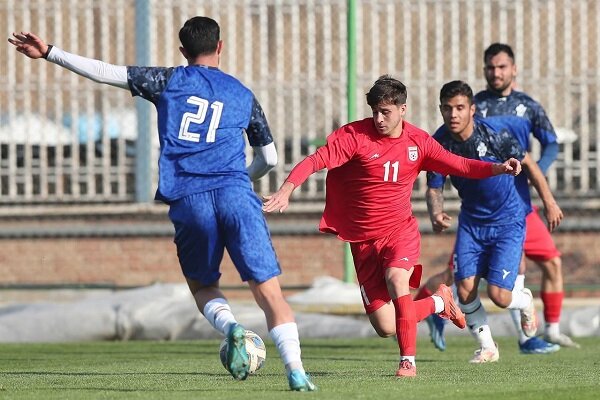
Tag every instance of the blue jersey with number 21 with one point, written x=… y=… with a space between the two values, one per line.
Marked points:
x=202 y=116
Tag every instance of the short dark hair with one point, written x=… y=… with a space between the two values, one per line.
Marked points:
x=456 y=88
x=495 y=49
x=387 y=90
x=200 y=36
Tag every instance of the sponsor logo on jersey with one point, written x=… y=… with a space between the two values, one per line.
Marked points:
x=374 y=156
x=413 y=153
x=483 y=112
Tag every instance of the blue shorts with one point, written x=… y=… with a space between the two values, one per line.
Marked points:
x=491 y=252
x=230 y=217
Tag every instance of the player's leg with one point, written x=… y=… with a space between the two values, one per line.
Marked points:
x=249 y=245
x=435 y=323
x=469 y=265
x=527 y=345
x=283 y=330
x=384 y=268
x=477 y=322
x=397 y=280
x=540 y=248
x=506 y=290
x=200 y=248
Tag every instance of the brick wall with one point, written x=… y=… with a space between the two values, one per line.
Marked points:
x=133 y=261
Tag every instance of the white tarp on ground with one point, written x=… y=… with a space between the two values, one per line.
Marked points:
x=168 y=312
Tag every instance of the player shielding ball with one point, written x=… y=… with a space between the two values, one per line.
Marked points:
x=202 y=116
x=491 y=226
x=372 y=166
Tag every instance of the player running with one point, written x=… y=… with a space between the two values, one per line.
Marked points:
x=491 y=227
x=499 y=99
x=372 y=166
x=202 y=116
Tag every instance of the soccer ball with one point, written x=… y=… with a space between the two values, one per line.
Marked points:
x=257 y=352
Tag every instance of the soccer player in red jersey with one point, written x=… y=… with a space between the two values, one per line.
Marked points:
x=372 y=166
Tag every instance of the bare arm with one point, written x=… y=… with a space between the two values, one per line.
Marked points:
x=552 y=211
x=279 y=200
x=440 y=221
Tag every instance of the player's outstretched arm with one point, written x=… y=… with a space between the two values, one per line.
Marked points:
x=29 y=44
x=280 y=200
x=552 y=211
x=96 y=70
x=440 y=221
x=512 y=166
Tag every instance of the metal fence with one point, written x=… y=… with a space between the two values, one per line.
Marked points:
x=65 y=139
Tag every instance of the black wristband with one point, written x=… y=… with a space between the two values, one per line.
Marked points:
x=47 y=51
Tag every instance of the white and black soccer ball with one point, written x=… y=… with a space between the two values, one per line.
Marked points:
x=257 y=352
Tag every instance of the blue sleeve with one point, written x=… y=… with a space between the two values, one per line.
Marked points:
x=549 y=154
x=258 y=131
x=435 y=180
x=148 y=82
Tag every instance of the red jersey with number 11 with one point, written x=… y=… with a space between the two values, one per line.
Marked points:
x=371 y=176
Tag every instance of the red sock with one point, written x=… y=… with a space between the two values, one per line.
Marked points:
x=406 y=325
x=423 y=293
x=424 y=308
x=552 y=305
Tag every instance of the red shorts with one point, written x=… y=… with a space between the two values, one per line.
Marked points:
x=538 y=245
x=400 y=249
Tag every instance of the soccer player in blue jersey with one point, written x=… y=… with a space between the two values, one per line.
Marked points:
x=491 y=227
x=500 y=99
x=202 y=116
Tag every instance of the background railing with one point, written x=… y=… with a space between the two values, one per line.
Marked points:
x=66 y=139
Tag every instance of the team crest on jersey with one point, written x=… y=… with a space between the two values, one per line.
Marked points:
x=413 y=153
x=521 y=110
x=481 y=149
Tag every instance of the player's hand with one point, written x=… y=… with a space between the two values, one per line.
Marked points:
x=280 y=200
x=512 y=166
x=29 y=44
x=553 y=215
x=440 y=222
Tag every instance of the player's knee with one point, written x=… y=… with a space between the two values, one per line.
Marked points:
x=501 y=298
x=383 y=331
x=552 y=267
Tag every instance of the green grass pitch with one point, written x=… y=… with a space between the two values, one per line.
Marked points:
x=342 y=368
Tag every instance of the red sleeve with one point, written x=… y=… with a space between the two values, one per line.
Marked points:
x=339 y=149
x=441 y=160
x=304 y=169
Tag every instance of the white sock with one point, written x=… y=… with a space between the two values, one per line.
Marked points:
x=515 y=314
x=409 y=358
x=218 y=313
x=439 y=303
x=520 y=300
x=552 y=329
x=484 y=337
x=516 y=318
x=287 y=341
x=520 y=282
